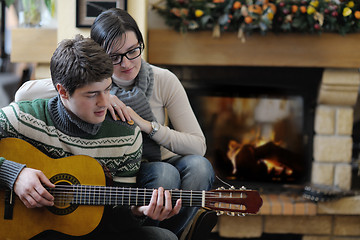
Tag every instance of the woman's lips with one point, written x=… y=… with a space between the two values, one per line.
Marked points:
x=127 y=71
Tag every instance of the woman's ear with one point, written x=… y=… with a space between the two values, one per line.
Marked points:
x=62 y=91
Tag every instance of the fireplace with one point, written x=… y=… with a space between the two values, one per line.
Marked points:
x=258 y=121
x=273 y=67
x=279 y=116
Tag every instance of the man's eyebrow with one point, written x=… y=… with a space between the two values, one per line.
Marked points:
x=109 y=87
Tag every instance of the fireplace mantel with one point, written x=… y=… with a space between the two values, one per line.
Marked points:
x=328 y=50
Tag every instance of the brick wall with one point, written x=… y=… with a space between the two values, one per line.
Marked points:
x=333 y=128
x=334 y=220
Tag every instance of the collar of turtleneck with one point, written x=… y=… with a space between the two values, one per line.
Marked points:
x=67 y=123
x=126 y=84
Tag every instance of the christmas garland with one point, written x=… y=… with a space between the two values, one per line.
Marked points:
x=247 y=16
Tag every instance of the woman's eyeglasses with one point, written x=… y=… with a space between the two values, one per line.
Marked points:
x=130 y=55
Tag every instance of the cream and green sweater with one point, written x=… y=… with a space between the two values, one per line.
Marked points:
x=47 y=125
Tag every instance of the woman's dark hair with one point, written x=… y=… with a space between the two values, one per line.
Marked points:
x=111 y=25
x=78 y=62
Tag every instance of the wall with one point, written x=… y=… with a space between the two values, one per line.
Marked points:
x=66 y=12
x=66 y=18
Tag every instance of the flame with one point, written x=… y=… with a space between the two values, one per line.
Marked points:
x=273 y=165
x=234 y=149
x=276 y=167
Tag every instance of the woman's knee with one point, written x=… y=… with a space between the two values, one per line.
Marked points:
x=196 y=172
x=199 y=165
x=159 y=174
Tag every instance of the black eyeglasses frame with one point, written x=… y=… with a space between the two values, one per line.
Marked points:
x=125 y=55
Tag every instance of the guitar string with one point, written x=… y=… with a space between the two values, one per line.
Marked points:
x=109 y=196
x=125 y=193
x=138 y=195
x=130 y=189
x=61 y=193
x=88 y=198
x=118 y=190
x=92 y=189
x=129 y=196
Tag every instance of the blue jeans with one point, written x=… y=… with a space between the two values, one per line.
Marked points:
x=191 y=172
x=117 y=223
x=141 y=233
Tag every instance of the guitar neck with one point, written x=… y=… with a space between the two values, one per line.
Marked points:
x=103 y=195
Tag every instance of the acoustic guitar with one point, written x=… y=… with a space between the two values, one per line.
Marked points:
x=81 y=194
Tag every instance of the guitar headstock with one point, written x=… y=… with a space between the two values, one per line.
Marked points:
x=234 y=202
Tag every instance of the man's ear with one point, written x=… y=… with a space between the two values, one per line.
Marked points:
x=62 y=91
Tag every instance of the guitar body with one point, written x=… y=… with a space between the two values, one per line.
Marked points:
x=25 y=222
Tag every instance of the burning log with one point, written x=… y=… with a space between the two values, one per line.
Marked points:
x=267 y=161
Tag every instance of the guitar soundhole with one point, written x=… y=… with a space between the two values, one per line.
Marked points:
x=63 y=193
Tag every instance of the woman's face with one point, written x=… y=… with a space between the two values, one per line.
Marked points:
x=127 y=69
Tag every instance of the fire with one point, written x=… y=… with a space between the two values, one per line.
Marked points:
x=255 y=140
x=276 y=167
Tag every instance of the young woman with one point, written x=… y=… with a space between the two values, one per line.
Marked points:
x=149 y=95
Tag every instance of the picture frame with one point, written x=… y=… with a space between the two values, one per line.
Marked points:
x=88 y=10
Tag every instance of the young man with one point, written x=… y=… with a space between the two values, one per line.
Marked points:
x=76 y=123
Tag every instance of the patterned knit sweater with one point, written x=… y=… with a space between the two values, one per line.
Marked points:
x=47 y=125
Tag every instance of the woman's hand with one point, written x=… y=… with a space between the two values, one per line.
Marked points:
x=120 y=108
x=126 y=113
x=157 y=209
x=144 y=125
x=29 y=187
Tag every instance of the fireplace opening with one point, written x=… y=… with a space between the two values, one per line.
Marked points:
x=254 y=138
x=258 y=121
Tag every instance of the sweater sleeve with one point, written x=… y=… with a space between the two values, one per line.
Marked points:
x=186 y=136
x=9 y=172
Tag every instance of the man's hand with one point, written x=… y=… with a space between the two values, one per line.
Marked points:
x=157 y=209
x=29 y=187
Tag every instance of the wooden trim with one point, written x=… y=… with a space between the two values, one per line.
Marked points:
x=168 y=47
x=33 y=45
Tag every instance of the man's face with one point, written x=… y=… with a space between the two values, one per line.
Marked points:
x=89 y=103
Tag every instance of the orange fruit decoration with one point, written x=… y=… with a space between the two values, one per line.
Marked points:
x=248 y=20
x=237 y=5
x=294 y=8
x=303 y=9
x=270 y=5
x=357 y=14
x=255 y=9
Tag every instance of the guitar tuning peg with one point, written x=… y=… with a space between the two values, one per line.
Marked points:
x=232 y=188
x=218 y=213
x=232 y=214
x=243 y=188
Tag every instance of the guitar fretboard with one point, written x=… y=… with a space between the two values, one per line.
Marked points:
x=103 y=195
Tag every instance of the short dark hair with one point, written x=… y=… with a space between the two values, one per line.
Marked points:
x=78 y=62
x=112 y=24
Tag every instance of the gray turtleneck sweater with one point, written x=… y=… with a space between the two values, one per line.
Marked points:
x=47 y=125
